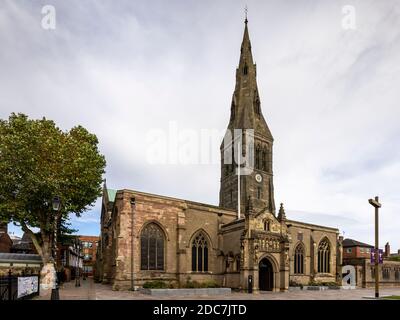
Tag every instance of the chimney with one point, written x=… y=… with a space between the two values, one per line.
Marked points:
x=387 y=249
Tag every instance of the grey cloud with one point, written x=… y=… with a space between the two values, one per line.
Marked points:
x=329 y=96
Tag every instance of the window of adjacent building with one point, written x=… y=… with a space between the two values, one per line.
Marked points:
x=397 y=275
x=361 y=250
x=324 y=255
x=87 y=244
x=368 y=250
x=299 y=259
x=87 y=257
x=200 y=253
x=152 y=248
x=372 y=272
x=348 y=250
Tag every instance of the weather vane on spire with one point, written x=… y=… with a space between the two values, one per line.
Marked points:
x=245 y=12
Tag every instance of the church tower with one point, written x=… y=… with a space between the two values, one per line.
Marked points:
x=246 y=114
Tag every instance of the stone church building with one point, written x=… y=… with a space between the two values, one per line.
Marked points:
x=148 y=237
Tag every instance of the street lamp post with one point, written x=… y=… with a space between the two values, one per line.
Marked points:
x=78 y=251
x=375 y=203
x=133 y=205
x=56 y=207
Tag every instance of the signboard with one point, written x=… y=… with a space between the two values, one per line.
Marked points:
x=27 y=286
x=380 y=261
x=380 y=256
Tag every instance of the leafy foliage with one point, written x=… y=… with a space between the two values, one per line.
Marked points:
x=394 y=258
x=156 y=284
x=39 y=161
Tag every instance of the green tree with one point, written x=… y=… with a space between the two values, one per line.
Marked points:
x=38 y=162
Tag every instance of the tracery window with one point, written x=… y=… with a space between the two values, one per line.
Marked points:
x=386 y=273
x=200 y=253
x=264 y=160
x=258 y=151
x=152 y=248
x=324 y=255
x=299 y=259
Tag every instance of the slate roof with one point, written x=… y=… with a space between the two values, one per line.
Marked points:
x=20 y=257
x=347 y=243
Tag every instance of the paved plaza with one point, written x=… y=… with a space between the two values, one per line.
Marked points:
x=89 y=290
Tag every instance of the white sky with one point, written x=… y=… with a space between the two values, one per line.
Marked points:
x=122 y=68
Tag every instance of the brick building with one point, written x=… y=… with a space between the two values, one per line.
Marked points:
x=358 y=254
x=152 y=237
x=355 y=249
x=89 y=247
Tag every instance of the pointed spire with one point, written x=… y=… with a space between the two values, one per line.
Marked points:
x=245 y=50
x=245 y=12
x=281 y=214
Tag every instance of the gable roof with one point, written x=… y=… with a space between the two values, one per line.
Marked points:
x=354 y=243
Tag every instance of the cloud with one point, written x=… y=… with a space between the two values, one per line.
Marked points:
x=330 y=96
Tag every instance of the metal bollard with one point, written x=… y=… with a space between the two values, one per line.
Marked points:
x=250 y=284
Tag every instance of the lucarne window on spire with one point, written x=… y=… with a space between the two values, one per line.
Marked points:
x=245 y=70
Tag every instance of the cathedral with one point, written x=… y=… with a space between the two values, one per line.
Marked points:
x=245 y=241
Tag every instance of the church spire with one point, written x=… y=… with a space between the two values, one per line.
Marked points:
x=246 y=57
x=246 y=114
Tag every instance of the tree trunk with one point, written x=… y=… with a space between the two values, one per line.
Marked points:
x=48 y=273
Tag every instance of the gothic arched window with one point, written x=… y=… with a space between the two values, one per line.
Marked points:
x=264 y=160
x=200 y=253
x=152 y=248
x=233 y=110
x=324 y=256
x=267 y=225
x=257 y=166
x=299 y=259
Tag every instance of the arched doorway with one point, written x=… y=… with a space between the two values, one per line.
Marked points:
x=265 y=275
